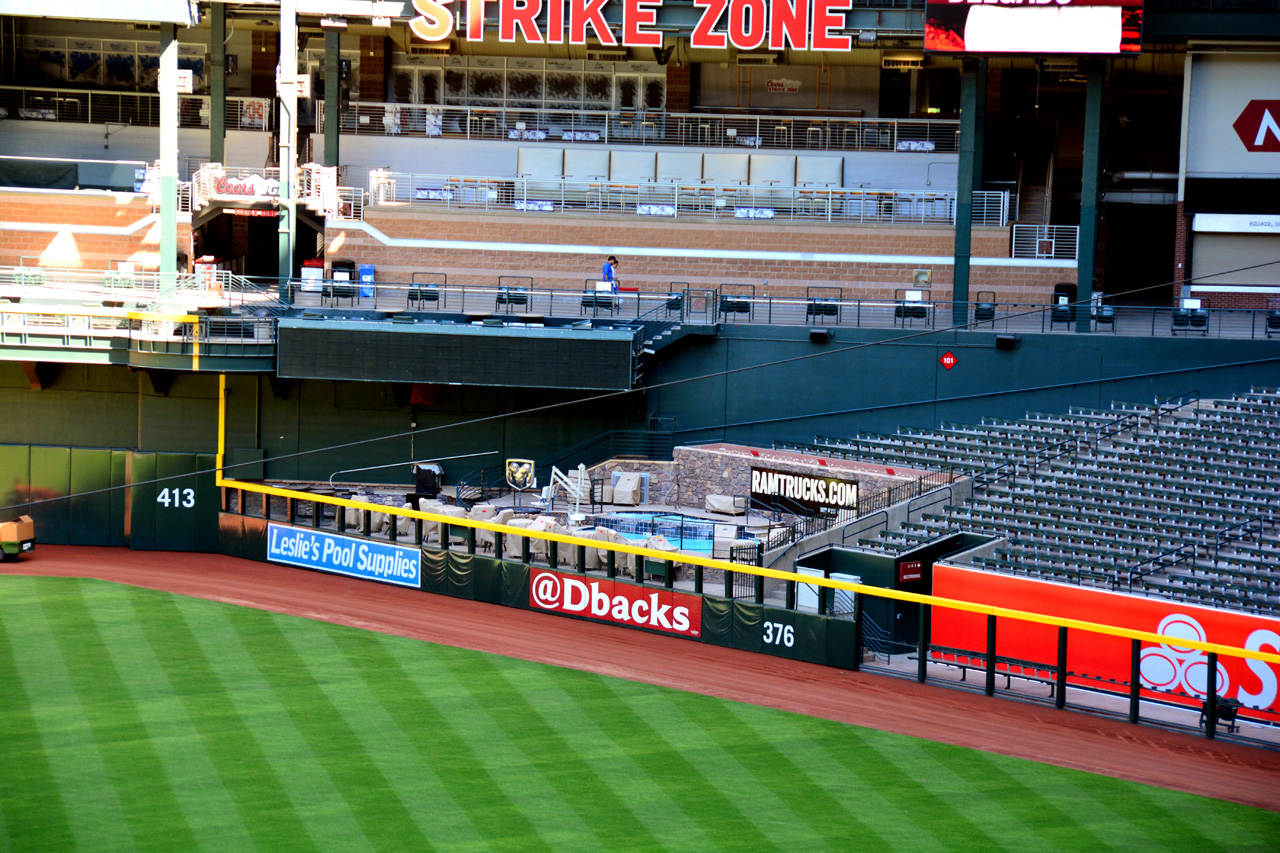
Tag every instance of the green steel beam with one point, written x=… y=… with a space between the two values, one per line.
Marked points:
x=218 y=83
x=973 y=77
x=332 y=98
x=1089 y=190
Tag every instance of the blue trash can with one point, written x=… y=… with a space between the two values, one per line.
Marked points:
x=366 y=280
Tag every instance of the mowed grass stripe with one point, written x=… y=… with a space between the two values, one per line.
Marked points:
x=320 y=807
x=133 y=765
x=683 y=781
x=375 y=804
x=345 y=655
x=552 y=823
x=811 y=742
x=30 y=799
x=1039 y=813
x=260 y=796
x=825 y=817
x=188 y=769
x=583 y=707
x=770 y=799
x=608 y=817
x=1130 y=815
x=907 y=773
x=494 y=818
x=92 y=803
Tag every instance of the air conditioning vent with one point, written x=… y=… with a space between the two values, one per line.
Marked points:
x=435 y=49
x=606 y=54
x=1060 y=65
x=757 y=59
x=902 y=63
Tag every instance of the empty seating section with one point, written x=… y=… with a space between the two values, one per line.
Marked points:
x=1177 y=502
x=606 y=178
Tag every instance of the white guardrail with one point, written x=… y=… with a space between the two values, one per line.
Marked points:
x=1046 y=242
x=677 y=198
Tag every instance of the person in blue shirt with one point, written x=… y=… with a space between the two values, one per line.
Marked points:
x=609 y=272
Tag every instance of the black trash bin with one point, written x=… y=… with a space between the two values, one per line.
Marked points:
x=343 y=283
x=1064 y=303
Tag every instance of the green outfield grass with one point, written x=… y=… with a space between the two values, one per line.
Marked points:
x=133 y=719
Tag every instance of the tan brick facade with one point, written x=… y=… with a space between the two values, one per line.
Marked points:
x=686 y=239
x=64 y=248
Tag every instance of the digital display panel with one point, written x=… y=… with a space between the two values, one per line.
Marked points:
x=1055 y=27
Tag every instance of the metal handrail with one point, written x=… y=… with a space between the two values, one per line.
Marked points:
x=674 y=197
x=646 y=127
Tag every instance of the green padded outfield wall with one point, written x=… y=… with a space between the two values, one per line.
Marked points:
x=178 y=514
x=474 y=577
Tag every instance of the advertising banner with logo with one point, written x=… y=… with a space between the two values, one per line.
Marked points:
x=1033 y=26
x=343 y=555
x=770 y=488
x=619 y=603
x=1233 y=120
x=251 y=188
x=1180 y=673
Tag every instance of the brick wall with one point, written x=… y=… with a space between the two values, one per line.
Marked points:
x=684 y=239
x=678 y=89
x=373 y=68
x=68 y=249
x=266 y=54
x=1180 y=269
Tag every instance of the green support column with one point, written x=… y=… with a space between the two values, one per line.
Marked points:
x=218 y=83
x=980 y=126
x=1089 y=189
x=972 y=78
x=287 y=97
x=168 y=149
x=332 y=98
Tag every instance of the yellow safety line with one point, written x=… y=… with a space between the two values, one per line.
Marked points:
x=708 y=562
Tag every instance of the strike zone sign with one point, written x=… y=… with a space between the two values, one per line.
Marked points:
x=744 y=24
x=604 y=600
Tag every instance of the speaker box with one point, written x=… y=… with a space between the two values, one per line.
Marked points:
x=1008 y=342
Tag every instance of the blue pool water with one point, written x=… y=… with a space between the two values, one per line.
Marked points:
x=684 y=532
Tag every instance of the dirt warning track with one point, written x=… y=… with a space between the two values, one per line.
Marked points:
x=1085 y=742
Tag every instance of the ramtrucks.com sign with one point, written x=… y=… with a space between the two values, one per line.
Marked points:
x=770 y=488
x=620 y=603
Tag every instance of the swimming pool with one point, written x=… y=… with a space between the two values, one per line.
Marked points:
x=684 y=532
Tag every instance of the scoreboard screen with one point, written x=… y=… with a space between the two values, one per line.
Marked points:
x=1054 y=27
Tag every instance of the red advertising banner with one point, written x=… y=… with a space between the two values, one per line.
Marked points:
x=605 y=600
x=1180 y=673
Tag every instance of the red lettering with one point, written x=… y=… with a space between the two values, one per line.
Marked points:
x=435 y=21
x=747 y=23
x=521 y=15
x=584 y=13
x=789 y=21
x=825 y=20
x=475 y=20
x=555 y=21
x=637 y=14
x=702 y=36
